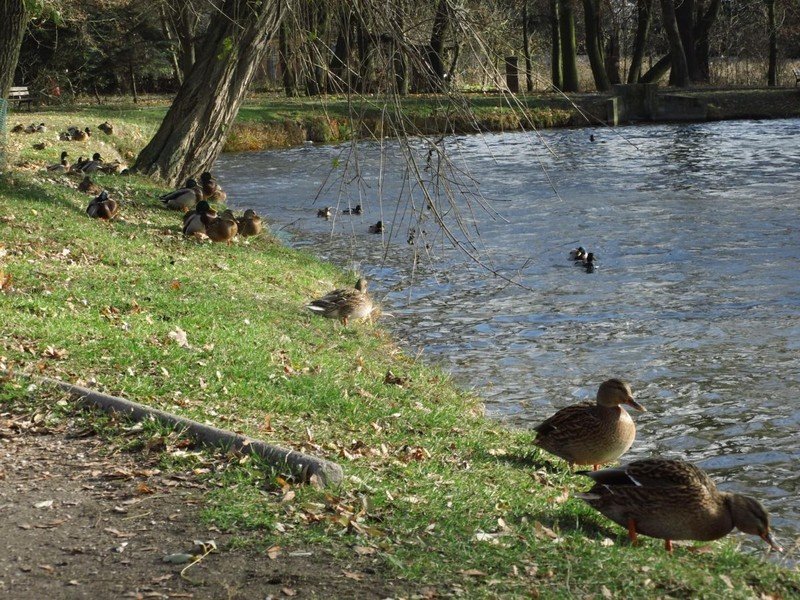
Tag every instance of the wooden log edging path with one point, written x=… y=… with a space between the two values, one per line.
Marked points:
x=302 y=465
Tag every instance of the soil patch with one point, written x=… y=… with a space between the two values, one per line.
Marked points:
x=80 y=522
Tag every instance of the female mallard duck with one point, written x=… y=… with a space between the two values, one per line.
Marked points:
x=345 y=304
x=578 y=253
x=193 y=220
x=18 y=128
x=673 y=500
x=250 y=224
x=211 y=189
x=102 y=207
x=81 y=136
x=60 y=167
x=592 y=433
x=220 y=229
x=106 y=127
x=89 y=187
x=184 y=198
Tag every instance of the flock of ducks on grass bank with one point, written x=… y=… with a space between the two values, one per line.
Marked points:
x=661 y=498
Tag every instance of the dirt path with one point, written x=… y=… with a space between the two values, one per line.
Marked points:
x=77 y=524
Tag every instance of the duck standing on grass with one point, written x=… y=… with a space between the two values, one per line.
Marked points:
x=673 y=500
x=249 y=224
x=93 y=165
x=184 y=198
x=106 y=127
x=345 y=303
x=592 y=433
x=103 y=207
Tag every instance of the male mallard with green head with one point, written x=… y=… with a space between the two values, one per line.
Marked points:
x=673 y=500
x=592 y=433
x=345 y=304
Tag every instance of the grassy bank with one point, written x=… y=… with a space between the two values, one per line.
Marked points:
x=434 y=491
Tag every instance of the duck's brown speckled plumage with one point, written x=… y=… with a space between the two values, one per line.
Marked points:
x=345 y=304
x=673 y=500
x=591 y=433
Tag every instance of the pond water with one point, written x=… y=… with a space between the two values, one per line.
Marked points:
x=695 y=299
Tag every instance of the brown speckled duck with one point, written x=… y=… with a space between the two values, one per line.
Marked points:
x=250 y=224
x=345 y=304
x=220 y=229
x=103 y=207
x=592 y=433
x=211 y=189
x=673 y=500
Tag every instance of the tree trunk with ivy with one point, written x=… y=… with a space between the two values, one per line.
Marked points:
x=194 y=130
x=13 y=20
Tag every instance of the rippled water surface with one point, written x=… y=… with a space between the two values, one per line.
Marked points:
x=695 y=300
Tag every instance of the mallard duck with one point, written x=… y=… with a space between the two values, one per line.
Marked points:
x=91 y=166
x=31 y=128
x=193 y=221
x=81 y=135
x=60 y=167
x=673 y=500
x=211 y=189
x=102 y=207
x=220 y=229
x=588 y=263
x=352 y=211
x=325 y=213
x=112 y=168
x=592 y=433
x=377 y=228
x=250 y=224
x=89 y=187
x=183 y=199
x=77 y=166
x=106 y=127
x=41 y=128
x=345 y=304
x=578 y=253
x=18 y=128
x=41 y=145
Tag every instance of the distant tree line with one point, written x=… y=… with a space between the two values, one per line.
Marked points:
x=97 y=47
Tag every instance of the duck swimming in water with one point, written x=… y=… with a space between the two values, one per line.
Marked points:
x=578 y=253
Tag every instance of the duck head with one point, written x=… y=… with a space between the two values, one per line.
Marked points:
x=750 y=516
x=614 y=392
x=361 y=285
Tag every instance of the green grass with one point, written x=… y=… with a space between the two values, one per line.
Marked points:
x=442 y=495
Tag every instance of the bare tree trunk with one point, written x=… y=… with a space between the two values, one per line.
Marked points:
x=679 y=74
x=526 y=47
x=612 y=58
x=702 y=36
x=569 y=48
x=13 y=20
x=399 y=64
x=435 y=48
x=594 y=48
x=194 y=130
x=132 y=78
x=684 y=17
x=287 y=64
x=317 y=24
x=339 y=80
x=556 y=68
x=644 y=16
x=772 y=70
